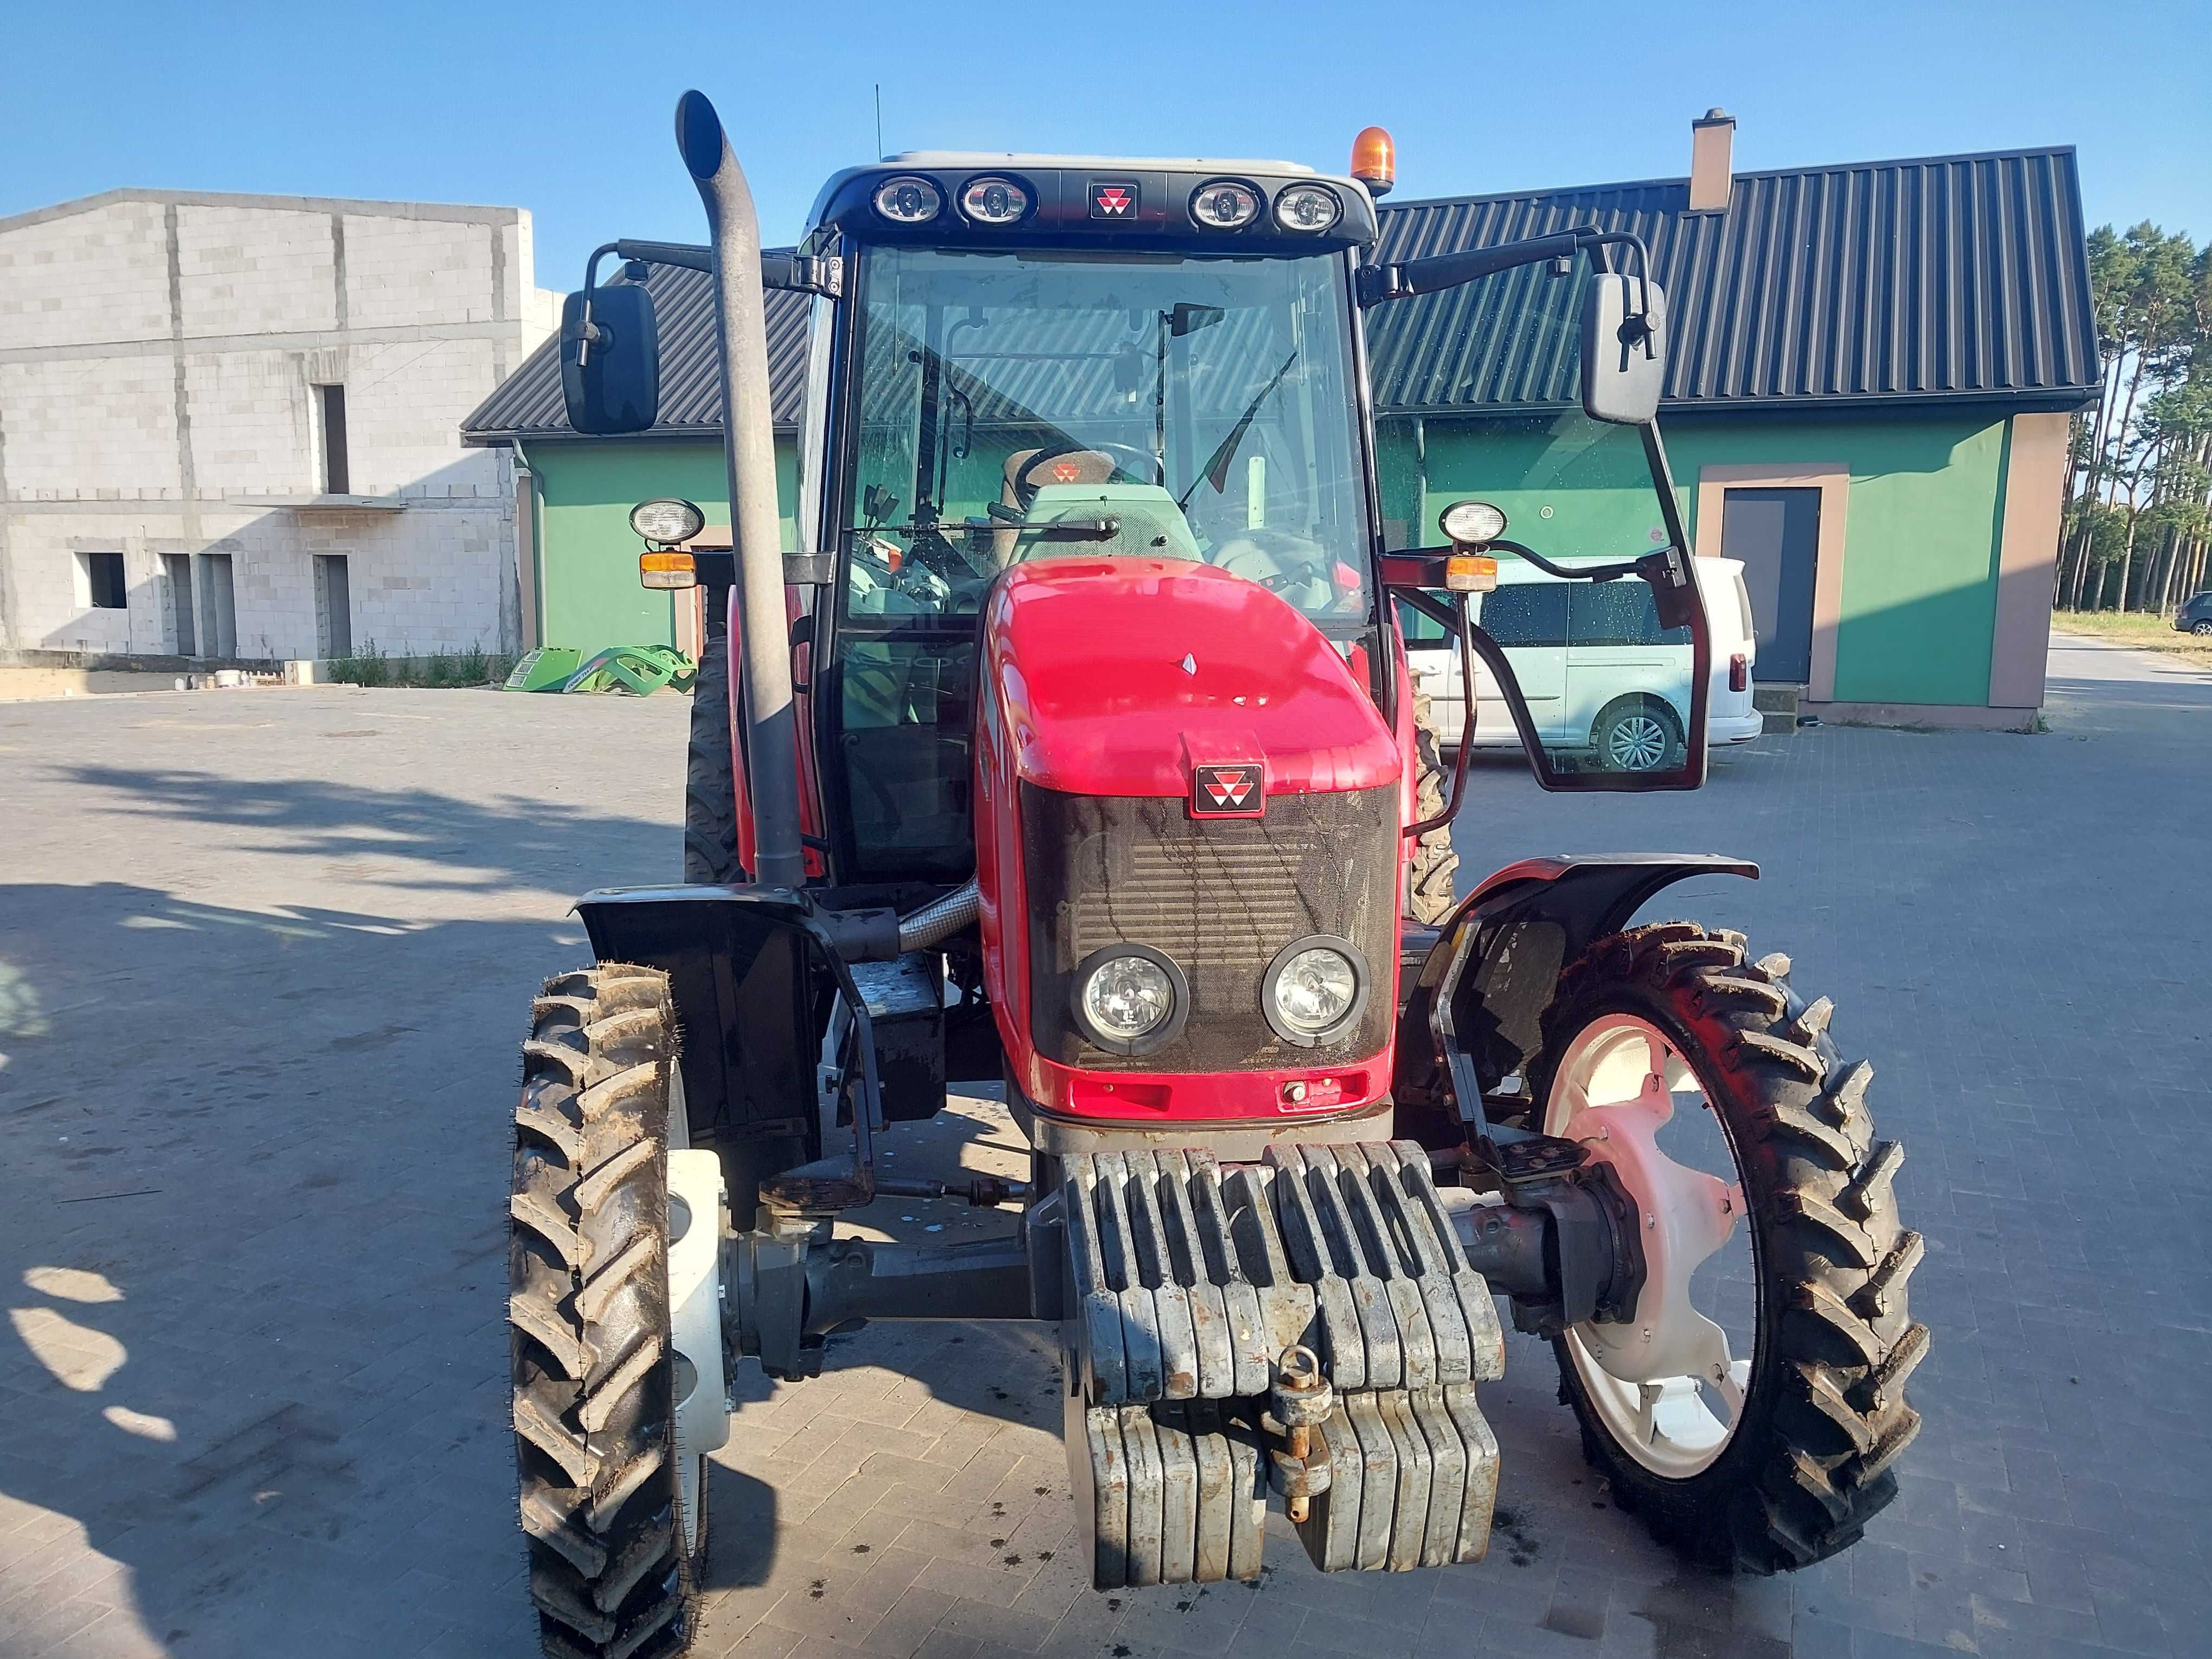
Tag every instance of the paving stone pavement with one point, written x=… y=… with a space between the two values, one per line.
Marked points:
x=263 y=958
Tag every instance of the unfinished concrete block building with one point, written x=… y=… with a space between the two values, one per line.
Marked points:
x=229 y=424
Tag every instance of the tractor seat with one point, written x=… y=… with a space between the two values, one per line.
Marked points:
x=1076 y=466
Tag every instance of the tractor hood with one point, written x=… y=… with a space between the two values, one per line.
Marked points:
x=1120 y=677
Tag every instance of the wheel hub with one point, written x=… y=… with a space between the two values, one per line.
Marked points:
x=1649 y=1376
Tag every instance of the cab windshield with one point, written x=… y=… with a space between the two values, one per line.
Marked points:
x=1020 y=406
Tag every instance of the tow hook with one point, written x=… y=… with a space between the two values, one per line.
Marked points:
x=1300 y=1398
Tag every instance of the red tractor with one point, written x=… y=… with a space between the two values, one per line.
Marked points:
x=1073 y=750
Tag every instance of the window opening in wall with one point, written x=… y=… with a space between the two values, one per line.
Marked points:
x=218 y=607
x=337 y=478
x=176 y=604
x=333 y=606
x=100 y=582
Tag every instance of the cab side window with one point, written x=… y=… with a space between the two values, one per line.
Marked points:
x=1527 y=614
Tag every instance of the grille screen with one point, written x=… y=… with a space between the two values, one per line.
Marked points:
x=1222 y=896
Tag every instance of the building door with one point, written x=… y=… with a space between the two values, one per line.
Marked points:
x=218 y=607
x=1776 y=534
x=333 y=606
x=177 y=602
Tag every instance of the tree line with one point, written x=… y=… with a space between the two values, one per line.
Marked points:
x=2138 y=519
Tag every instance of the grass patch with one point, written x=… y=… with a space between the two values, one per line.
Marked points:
x=373 y=666
x=2149 y=633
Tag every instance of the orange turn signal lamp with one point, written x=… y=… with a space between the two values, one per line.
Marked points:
x=1375 y=161
x=667 y=570
x=1470 y=573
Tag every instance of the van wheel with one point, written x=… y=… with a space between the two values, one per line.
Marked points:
x=1637 y=734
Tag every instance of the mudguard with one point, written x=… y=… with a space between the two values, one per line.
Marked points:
x=745 y=965
x=1520 y=927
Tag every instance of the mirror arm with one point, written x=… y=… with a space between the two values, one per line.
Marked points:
x=804 y=273
x=588 y=333
x=1410 y=278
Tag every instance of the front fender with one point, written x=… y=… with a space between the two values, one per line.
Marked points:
x=1496 y=964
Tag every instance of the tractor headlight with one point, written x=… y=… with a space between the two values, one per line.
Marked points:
x=993 y=201
x=1223 y=204
x=1314 y=990
x=908 y=201
x=1130 y=999
x=1307 y=208
x=666 y=520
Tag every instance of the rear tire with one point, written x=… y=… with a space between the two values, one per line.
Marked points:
x=1823 y=1416
x=1430 y=894
x=710 y=782
x=614 y=1560
x=2203 y=630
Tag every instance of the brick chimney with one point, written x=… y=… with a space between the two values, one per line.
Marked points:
x=1712 y=145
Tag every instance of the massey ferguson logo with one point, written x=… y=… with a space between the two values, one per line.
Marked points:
x=1067 y=471
x=1228 y=792
x=1113 y=201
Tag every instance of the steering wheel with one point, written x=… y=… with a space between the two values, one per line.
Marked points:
x=1126 y=459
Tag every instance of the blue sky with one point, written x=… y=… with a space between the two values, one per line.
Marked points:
x=565 y=109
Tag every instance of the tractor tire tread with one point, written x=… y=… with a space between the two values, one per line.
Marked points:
x=588 y=1320
x=1431 y=875
x=710 y=784
x=1811 y=1459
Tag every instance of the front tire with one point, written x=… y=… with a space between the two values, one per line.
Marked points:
x=1817 y=1415
x=615 y=1550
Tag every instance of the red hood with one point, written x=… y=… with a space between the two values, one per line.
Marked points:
x=1087 y=658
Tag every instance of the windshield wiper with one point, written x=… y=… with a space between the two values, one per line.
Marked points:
x=1217 y=469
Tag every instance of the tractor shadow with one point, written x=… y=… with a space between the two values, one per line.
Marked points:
x=252 y=1260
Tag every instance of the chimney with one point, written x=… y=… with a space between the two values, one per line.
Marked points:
x=1712 y=143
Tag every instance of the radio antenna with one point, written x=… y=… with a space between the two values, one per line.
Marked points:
x=879 y=120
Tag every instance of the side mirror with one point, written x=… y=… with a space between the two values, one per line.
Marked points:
x=610 y=360
x=1188 y=319
x=1623 y=349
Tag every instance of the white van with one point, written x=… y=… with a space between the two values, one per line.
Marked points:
x=1594 y=664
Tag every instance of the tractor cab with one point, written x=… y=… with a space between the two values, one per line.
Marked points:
x=1017 y=360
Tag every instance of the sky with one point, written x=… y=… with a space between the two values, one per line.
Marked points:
x=565 y=110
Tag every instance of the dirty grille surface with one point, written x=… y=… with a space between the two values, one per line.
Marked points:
x=1220 y=895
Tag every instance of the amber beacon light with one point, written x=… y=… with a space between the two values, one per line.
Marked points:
x=1375 y=161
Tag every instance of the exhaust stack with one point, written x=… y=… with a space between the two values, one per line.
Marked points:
x=771 y=747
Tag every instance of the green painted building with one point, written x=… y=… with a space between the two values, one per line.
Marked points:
x=1871 y=372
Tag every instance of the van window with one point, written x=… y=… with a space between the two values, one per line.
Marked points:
x=1617 y=613
x=1420 y=628
x=1527 y=614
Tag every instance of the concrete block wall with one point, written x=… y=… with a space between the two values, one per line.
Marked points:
x=159 y=356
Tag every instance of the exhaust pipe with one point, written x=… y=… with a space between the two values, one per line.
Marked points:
x=749 y=445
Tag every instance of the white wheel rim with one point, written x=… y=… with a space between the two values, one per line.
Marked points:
x=1638 y=743
x=1656 y=1380
x=690 y=1471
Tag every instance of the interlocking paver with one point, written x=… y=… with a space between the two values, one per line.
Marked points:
x=259 y=972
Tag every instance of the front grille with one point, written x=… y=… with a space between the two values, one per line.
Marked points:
x=1222 y=896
